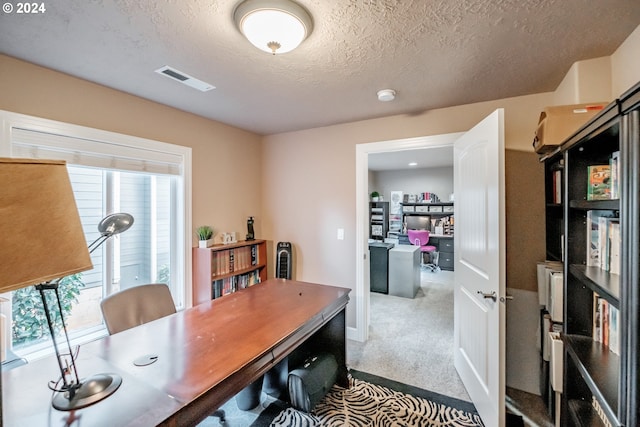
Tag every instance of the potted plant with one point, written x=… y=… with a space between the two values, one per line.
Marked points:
x=205 y=233
x=375 y=196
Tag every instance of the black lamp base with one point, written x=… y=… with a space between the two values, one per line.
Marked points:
x=91 y=390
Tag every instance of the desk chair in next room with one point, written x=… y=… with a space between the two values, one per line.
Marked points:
x=138 y=305
x=421 y=238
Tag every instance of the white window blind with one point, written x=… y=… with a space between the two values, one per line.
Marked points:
x=100 y=154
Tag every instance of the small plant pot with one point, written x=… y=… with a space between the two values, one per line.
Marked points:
x=204 y=243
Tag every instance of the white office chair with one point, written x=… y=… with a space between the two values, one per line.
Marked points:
x=138 y=305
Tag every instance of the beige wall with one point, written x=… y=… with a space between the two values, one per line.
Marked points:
x=625 y=64
x=309 y=181
x=226 y=160
x=586 y=81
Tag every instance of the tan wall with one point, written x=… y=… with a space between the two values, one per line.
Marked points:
x=625 y=64
x=586 y=81
x=309 y=182
x=226 y=160
x=524 y=199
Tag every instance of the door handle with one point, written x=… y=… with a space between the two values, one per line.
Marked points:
x=492 y=295
x=506 y=298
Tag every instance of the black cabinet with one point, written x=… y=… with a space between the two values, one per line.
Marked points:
x=444 y=246
x=601 y=269
x=379 y=267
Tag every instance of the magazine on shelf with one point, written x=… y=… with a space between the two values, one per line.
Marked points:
x=599 y=182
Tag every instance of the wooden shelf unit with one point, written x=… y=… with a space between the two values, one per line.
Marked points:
x=235 y=264
x=601 y=384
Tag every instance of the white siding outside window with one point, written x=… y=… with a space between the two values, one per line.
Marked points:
x=116 y=173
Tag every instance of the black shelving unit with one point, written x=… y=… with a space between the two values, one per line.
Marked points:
x=553 y=177
x=378 y=220
x=600 y=384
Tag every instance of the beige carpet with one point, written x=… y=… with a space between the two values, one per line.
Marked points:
x=411 y=340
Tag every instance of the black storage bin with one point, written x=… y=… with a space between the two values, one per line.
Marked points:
x=379 y=266
x=311 y=382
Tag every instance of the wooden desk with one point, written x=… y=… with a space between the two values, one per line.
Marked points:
x=206 y=355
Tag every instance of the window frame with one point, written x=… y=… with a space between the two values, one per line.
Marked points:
x=11 y=121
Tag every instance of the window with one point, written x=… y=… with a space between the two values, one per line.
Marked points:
x=109 y=173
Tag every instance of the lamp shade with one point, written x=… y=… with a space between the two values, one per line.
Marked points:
x=42 y=236
x=275 y=26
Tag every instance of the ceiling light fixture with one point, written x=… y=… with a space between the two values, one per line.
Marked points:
x=386 y=95
x=274 y=26
x=413 y=164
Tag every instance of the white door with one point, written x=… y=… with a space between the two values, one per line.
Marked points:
x=479 y=314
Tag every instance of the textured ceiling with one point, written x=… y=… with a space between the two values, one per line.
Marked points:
x=434 y=53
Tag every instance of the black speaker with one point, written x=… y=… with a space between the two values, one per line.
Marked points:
x=284 y=260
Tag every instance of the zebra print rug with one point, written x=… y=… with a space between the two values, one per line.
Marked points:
x=368 y=404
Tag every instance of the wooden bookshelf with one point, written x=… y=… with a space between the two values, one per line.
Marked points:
x=225 y=268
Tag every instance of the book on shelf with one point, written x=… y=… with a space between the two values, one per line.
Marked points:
x=592 y=240
x=228 y=285
x=599 y=182
x=614 y=163
x=614 y=330
x=557 y=186
x=614 y=247
x=606 y=324
x=600 y=246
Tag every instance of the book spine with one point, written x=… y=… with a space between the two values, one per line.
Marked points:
x=557 y=186
x=593 y=256
x=615 y=174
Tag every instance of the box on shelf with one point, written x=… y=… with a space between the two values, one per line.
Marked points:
x=422 y=208
x=559 y=122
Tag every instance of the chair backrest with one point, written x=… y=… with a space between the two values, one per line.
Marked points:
x=135 y=306
x=418 y=237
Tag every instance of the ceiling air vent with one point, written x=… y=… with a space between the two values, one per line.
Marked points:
x=184 y=78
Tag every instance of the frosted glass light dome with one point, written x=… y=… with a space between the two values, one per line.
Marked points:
x=274 y=26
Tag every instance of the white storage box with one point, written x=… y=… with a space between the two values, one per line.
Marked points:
x=557 y=360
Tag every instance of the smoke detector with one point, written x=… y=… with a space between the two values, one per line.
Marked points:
x=386 y=95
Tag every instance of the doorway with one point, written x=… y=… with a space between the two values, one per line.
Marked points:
x=438 y=289
x=363 y=318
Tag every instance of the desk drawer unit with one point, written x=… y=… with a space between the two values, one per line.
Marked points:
x=445 y=260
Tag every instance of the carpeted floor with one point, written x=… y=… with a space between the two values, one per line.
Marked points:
x=411 y=339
